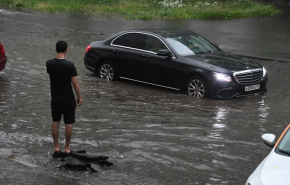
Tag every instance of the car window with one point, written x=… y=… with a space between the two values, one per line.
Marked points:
x=285 y=142
x=190 y=44
x=132 y=40
x=179 y=47
x=154 y=44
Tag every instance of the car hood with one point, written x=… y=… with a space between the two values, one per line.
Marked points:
x=273 y=170
x=225 y=60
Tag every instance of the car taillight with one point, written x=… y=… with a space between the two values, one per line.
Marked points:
x=88 y=48
x=2 y=50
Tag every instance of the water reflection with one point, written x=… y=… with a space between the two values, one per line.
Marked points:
x=221 y=114
x=219 y=125
x=264 y=111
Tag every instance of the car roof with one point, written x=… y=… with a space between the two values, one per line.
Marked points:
x=164 y=32
x=167 y=32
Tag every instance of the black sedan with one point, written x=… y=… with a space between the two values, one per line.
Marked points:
x=176 y=59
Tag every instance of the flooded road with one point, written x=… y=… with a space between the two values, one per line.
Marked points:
x=153 y=135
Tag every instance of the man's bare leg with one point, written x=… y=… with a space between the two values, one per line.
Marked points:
x=54 y=131
x=68 y=133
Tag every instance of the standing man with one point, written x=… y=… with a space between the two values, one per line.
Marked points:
x=63 y=76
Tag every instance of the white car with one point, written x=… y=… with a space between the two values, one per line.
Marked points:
x=275 y=168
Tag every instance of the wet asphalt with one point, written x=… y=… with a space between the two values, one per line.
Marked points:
x=153 y=135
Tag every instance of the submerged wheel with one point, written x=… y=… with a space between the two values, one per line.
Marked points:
x=107 y=71
x=197 y=87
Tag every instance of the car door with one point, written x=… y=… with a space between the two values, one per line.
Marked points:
x=127 y=48
x=161 y=70
x=141 y=59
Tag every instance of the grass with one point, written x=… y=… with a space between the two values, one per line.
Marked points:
x=151 y=9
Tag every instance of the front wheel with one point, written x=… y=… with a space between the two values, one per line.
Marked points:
x=197 y=87
x=107 y=71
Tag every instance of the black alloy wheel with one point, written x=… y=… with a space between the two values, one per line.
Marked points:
x=197 y=87
x=107 y=71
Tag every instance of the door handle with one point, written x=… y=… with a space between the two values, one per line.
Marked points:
x=115 y=51
x=146 y=56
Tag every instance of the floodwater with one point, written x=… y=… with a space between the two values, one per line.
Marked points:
x=153 y=135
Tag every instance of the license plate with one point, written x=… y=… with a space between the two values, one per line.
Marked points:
x=252 y=87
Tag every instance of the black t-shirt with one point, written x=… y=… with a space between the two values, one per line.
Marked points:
x=60 y=72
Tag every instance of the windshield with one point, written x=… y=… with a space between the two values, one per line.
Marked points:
x=190 y=44
x=284 y=145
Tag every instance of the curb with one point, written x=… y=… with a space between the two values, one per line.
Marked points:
x=264 y=58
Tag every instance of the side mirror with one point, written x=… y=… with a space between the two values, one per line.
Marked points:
x=216 y=45
x=164 y=52
x=269 y=139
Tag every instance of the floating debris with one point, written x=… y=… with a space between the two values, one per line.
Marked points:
x=82 y=161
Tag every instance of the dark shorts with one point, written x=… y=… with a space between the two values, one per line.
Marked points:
x=67 y=109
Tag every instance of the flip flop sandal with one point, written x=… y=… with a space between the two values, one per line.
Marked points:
x=68 y=154
x=57 y=154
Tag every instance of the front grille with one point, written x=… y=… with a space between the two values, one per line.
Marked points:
x=247 y=77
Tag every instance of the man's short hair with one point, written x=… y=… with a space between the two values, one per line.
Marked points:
x=61 y=46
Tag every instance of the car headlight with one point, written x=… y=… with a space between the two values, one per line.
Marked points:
x=222 y=77
x=264 y=71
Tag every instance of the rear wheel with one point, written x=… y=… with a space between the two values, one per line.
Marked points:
x=197 y=87
x=107 y=71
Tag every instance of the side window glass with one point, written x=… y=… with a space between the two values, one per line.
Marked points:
x=132 y=40
x=153 y=44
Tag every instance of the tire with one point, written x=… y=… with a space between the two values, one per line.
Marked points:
x=107 y=71
x=197 y=87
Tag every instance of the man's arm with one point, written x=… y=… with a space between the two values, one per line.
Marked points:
x=76 y=87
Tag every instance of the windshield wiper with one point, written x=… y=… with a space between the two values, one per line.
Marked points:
x=284 y=152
